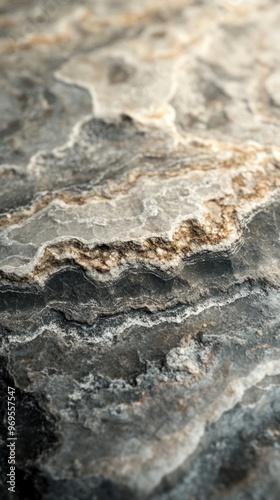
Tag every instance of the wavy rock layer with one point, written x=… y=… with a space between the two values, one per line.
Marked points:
x=139 y=248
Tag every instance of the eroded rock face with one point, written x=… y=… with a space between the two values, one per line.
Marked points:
x=139 y=248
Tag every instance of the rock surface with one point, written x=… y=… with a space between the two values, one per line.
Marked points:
x=139 y=248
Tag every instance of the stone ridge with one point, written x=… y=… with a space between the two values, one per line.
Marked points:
x=88 y=228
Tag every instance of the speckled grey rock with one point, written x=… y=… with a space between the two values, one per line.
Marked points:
x=139 y=248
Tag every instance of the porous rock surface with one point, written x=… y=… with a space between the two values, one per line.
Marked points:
x=139 y=248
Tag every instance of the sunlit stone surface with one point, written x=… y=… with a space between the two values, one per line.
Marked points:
x=139 y=248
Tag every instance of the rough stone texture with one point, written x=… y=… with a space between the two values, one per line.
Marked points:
x=139 y=248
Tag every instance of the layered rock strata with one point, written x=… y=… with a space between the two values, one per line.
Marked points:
x=139 y=248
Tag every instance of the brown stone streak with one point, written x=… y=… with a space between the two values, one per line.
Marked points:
x=190 y=236
x=240 y=158
x=34 y=41
x=90 y=22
